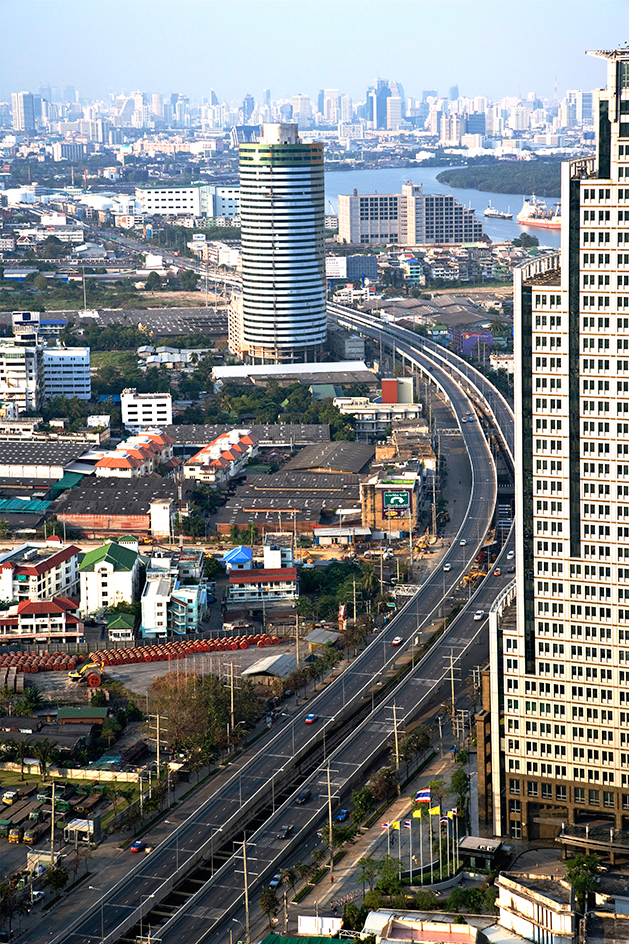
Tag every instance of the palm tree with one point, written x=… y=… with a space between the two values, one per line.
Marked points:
x=368 y=581
x=22 y=749
x=44 y=753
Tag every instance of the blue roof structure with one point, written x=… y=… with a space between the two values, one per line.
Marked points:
x=239 y=555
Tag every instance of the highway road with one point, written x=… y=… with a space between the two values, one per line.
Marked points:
x=221 y=818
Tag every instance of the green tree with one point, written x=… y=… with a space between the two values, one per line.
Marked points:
x=56 y=878
x=390 y=881
x=383 y=782
x=460 y=787
x=153 y=282
x=353 y=917
x=362 y=801
x=12 y=905
x=437 y=791
x=269 y=903
x=53 y=248
x=581 y=873
x=368 y=871
x=22 y=749
x=44 y=752
x=188 y=280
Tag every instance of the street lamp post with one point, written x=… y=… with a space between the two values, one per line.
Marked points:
x=144 y=898
x=95 y=888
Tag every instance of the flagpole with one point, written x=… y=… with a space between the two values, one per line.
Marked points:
x=440 y=851
x=388 y=839
x=432 y=871
x=421 y=851
x=410 y=853
x=399 y=847
x=447 y=846
x=456 y=822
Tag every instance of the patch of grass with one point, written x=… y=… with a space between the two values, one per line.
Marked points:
x=119 y=359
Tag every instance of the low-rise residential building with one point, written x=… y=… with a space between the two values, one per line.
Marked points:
x=140 y=410
x=373 y=419
x=21 y=372
x=138 y=456
x=109 y=575
x=174 y=599
x=275 y=581
x=53 y=620
x=222 y=459
x=67 y=372
x=35 y=571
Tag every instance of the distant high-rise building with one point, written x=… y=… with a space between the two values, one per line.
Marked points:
x=23 y=108
x=347 y=110
x=394 y=112
x=266 y=98
x=331 y=105
x=45 y=93
x=429 y=93
x=69 y=94
x=301 y=110
x=556 y=724
x=320 y=101
x=248 y=104
x=453 y=93
x=377 y=97
x=282 y=313
x=213 y=98
x=157 y=105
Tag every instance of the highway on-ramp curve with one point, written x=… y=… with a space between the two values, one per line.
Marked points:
x=221 y=816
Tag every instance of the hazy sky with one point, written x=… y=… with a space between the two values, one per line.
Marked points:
x=488 y=47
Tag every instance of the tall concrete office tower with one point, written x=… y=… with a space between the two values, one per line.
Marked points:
x=283 y=257
x=23 y=109
x=559 y=755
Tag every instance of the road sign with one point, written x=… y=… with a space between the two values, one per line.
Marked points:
x=397 y=499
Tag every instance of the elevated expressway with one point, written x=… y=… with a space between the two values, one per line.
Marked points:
x=356 y=717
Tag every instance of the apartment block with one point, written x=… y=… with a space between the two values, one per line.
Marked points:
x=145 y=409
x=67 y=372
x=34 y=571
x=21 y=372
x=411 y=218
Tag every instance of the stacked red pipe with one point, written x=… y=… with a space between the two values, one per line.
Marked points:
x=31 y=662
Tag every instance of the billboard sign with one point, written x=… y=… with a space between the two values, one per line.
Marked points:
x=396 y=503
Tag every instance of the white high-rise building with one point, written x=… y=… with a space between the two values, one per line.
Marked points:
x=301 y=110
x=282 y=215
x=145 y=409
x=560 y=671
x=67 y=372
x=23 y=108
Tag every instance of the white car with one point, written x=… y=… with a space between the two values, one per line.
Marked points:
x=462 y=542
x=510 y=555
x=447 y=567
x=397 y=641
x=478 y=615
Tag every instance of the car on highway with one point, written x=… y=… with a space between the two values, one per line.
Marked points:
x=285 y=831
x=148 y=849
x=510 y=555
x=447 y=567
x=497 y=572
x=397 y=641
x=471 y=419
x=462 y=542
x=511 y=570
x=343 y=815
x=276 y=880
x=478 y=615
x=310 y=719
x=304 y=795
x=137 y=846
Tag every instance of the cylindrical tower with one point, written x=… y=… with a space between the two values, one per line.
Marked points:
x=283 y=254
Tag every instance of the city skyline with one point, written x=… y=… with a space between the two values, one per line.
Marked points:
x=314 y=40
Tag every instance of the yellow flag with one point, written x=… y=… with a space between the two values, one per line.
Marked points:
x=450 y=814
x=435 y=811
x=395 y=825
x=417 y=814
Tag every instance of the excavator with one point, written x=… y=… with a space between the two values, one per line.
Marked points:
x=89 y=672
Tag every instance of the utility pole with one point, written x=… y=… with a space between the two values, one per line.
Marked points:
x=84 y=291
x=297 y=637
x=354 y=601
x=397 y=751
x=231 y=694
x=452 y=684
x=330 y=826
x=52 y=829
x=244 y=859
x=158 y=758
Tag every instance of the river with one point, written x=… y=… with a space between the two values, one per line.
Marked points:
x=390 y=180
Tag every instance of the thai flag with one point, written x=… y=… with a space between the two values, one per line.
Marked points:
x=407 y=824
x=444 y=819
x=384 y=825
x=423 y=796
